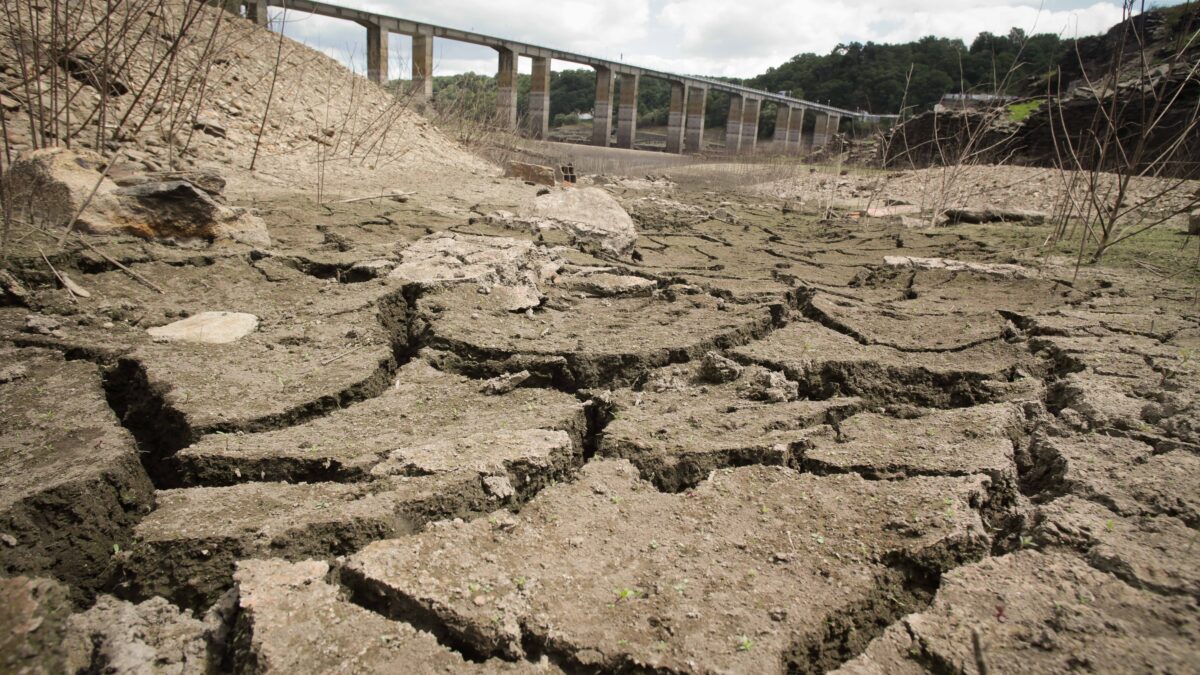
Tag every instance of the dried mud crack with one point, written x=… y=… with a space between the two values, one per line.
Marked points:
x=603 y=467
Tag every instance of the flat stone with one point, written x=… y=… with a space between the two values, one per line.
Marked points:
x=71 y=484
x=424 y=407
x=185 y=550
x=216 y=328
x=1150 y=552
x=676 y=435
x=827 y=363
x=296 y=621
x=608 y=573
x=1037 y=612
x=1126 y=476
x=993 y=214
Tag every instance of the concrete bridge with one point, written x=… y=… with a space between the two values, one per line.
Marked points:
x=689 y=95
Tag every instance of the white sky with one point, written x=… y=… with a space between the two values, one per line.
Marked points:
x=737 y=38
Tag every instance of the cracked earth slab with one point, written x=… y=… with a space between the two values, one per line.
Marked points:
x=827 y=363
x=1124 y=475
x=423 y=406
x=292 y=619
x=758 y=569
x=677 y=429
x=186 y=549
x=33 y=619
x=1036 y=612
x=587 y=342
x=1149 y=552
x=71 y=484
x=956 y=442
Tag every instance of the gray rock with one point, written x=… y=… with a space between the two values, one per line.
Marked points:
x=717 y=369
x=594 y=221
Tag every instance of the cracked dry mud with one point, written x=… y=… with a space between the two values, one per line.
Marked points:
x=749 y=448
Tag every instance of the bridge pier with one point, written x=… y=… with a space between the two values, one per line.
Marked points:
x=506 y=88
x=751 y=108
x=539 y=98
x=795 y=136
x=677 y=117
x=627 y=112
x=602 y=112
x=824 y=121
x=377 y=52
x=733 y=123
x=783 y=118
x=422 y=66
x=697 y=101
x=256 y=11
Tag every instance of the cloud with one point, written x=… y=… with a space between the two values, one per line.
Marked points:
x=741 y=38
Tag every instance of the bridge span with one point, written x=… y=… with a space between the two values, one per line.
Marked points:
x=689 y=94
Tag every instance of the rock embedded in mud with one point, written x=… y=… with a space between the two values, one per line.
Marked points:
x=606 y=285
x=502 y=384
x=593 y=220
x=33 y=620
x=1037 y=612
x=208 y=327
x=677 y=582
x=716 y=369
x=761 y=384
x=71 y=485
x=292 y=619
x=512 y=268
x=1194 y=223
x=55 y=185
x=154 y=636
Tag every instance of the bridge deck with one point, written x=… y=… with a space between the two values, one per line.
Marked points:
x=408 y=27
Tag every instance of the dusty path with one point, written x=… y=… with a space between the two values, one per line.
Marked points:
x=756 y=446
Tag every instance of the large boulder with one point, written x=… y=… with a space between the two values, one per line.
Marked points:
x=50 y=186
x=594 y=221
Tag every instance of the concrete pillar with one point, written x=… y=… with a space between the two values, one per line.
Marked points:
x=750 y=111
x=783 y=118
x=796 y=130
x=820 y=130
x=627 y=112
x=835 y=121
x=602 y=112
x=733 y=123
x=377 y=53
x=422 y=66
x=697 y=101
x=539 y=98
x=677 y=118
x=506 y=89
x=256 y=11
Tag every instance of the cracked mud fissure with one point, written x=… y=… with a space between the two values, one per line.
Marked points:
x=378 y=452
